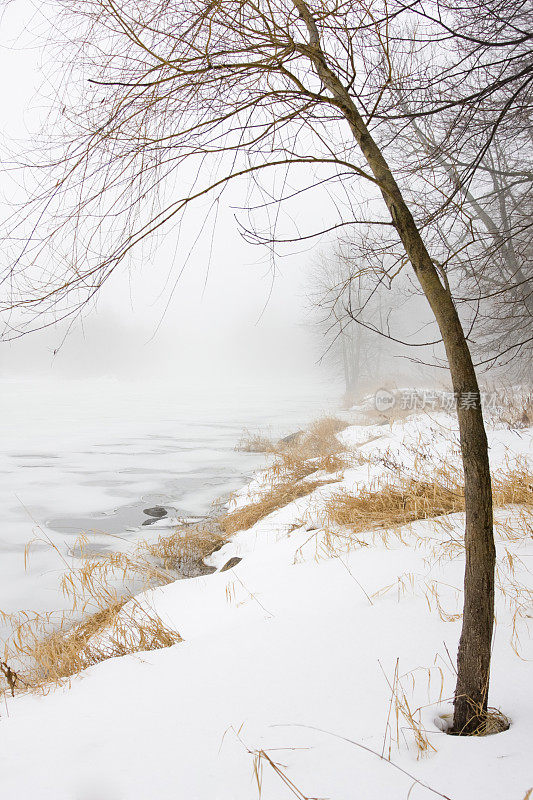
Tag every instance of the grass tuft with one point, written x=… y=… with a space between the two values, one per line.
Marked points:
x=279 y=495
x=392 y=504
x=45 y=649
x=183 y=552
x=255 y=443
x=317 y=450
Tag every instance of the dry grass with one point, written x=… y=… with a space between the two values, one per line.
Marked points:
x=279 y=495
x=391 y=504
x=325 y=429
x=386 y=511
x=514 y=409
x=45 y=649
x=47 y=656
x=183 y=552
x=371 y=416
x=400 y=714
x=297 y=463
x=317 y=450
x=513 y=485
x=492 y=721
x=513 y=576
x=404 y=404
x=260 y=757
x=394 y=503
x=255 y=443
x=319 y=441
x=318 y=444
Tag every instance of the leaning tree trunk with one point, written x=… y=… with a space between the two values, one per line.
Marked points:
x=473 y=661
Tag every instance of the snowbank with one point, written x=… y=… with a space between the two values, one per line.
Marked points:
x=293 y=654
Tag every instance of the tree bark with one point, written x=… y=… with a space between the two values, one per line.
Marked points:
x=473 y=660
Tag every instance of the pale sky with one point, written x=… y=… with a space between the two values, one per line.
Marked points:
x=223 y=322
x=235 y=320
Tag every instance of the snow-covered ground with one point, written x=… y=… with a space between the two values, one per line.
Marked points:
x=291 y=655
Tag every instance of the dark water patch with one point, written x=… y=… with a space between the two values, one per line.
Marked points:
x=117 y=521
x=156 y=511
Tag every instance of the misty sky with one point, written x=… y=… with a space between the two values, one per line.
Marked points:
x=203 y=308
x=225 y=320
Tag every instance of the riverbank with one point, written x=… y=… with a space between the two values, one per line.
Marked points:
x=321 y=664
x=88 y=456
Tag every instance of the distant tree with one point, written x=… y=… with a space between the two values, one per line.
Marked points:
x=188 y=97
x=337 y=287
x=489 y=233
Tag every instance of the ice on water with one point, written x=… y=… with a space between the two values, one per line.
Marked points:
x=90 y=456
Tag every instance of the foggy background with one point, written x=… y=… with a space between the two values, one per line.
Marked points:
x=221 y=323
x=202 y=310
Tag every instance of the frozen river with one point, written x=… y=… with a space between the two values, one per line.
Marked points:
x=90 y=456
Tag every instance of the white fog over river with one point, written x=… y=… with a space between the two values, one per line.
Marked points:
x=90 y=455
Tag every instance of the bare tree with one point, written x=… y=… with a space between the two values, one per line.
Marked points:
x=486 y=240
x=337 y=286
x=471 y=120
x=170 y=102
